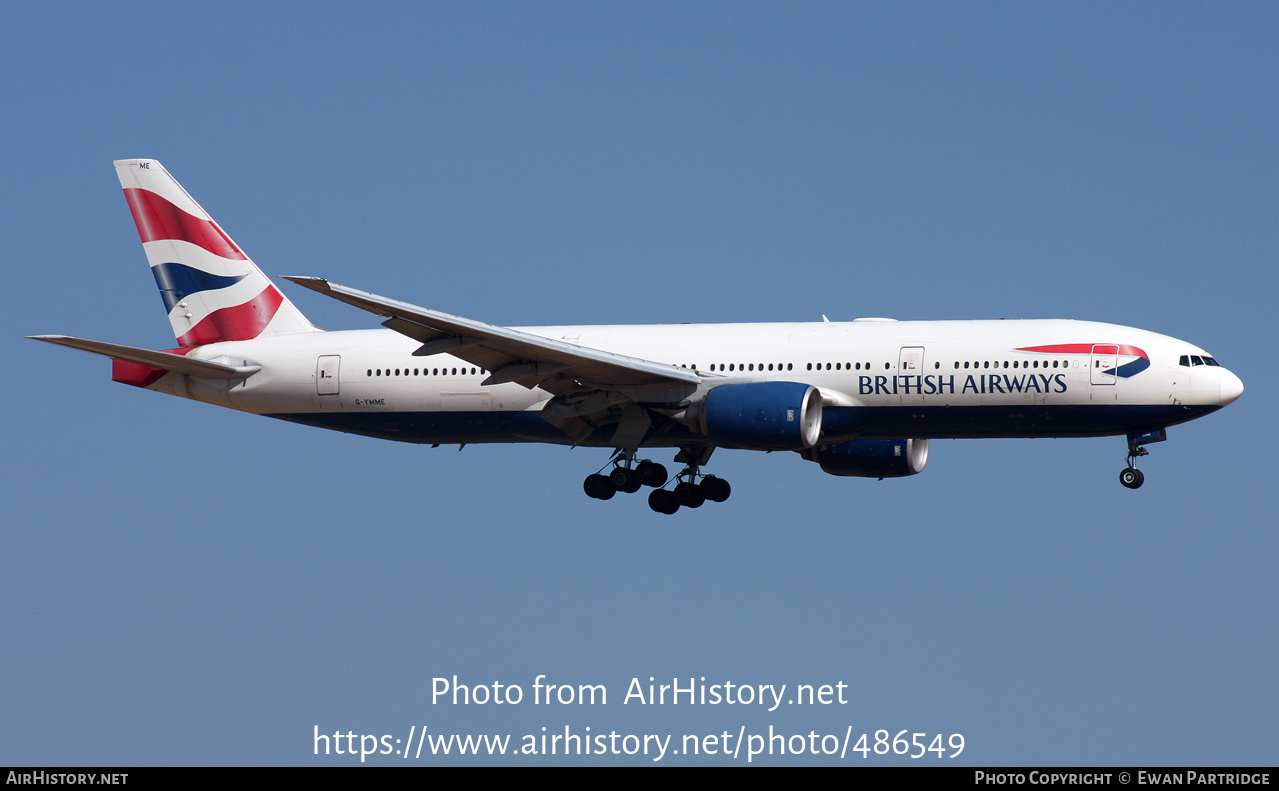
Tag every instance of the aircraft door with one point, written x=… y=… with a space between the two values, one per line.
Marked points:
x=326 y=374
x=1105 y=358
x=910 y=369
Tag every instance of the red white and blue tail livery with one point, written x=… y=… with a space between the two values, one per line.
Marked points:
x=211 y=289
x=860 y=398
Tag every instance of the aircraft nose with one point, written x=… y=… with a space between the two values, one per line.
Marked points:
x=1231 y=387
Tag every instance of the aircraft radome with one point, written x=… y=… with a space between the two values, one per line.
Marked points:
x=859 y=398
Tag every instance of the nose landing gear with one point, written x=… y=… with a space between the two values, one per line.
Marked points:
x=1130 y=476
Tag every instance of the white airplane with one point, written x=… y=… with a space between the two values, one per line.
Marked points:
x=860 y=398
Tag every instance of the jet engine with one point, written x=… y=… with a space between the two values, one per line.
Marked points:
x=760 y=415
x=872 y=458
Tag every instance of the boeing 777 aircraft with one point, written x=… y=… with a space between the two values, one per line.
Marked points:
x=859 y=398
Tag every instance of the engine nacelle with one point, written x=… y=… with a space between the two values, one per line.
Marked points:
x=872 y=458
x=761 y=415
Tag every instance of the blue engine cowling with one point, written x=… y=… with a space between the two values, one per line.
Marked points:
x=762 y=415
x=872 y=458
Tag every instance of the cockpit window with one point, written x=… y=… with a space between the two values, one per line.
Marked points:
x=1189 y=360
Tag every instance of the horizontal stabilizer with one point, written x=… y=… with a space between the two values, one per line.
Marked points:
x=163 y=360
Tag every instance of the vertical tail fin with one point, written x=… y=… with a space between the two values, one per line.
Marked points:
x=213 y=292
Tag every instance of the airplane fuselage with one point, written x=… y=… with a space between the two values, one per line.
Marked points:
x=880 y=379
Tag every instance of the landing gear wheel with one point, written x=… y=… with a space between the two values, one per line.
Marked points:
x=651 y=473
x=716 y=489
x=624 y=480
x=663 y=501
x=1131 y=477
x=689 y=495
x=599 y=487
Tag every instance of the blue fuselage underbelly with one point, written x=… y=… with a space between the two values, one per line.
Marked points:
x=838 y=424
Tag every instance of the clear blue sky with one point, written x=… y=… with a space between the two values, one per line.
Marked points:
x=182 y=584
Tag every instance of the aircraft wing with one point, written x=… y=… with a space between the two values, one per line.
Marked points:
x=509 y=355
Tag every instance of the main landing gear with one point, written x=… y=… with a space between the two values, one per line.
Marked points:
x=689 y=493
x=628 y=476
x=1130 y=476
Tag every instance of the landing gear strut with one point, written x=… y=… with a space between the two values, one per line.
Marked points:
x=1130 y=476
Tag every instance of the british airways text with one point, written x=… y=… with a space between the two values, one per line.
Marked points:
x=936 y=384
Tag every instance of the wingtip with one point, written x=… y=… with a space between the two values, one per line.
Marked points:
x=313 y=283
